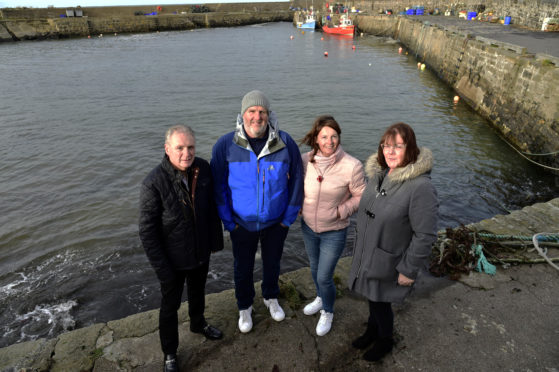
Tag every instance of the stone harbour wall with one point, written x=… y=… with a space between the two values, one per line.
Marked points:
x=526 y=13
x=32 y=24
x=41 y=23
x=515 y=91
x=125 y=11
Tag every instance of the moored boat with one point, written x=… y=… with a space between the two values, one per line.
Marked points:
x=309 y=23
x=345 y=27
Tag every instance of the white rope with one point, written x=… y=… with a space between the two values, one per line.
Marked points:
x=543 y=252
x=527 y=158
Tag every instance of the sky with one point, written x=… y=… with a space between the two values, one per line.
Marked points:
x=85 y=3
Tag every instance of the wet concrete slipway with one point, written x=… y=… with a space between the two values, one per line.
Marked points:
x=481 y=322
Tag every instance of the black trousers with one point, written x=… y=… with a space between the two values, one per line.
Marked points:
x=245 y=244
x=171 y=302
x=381 y=318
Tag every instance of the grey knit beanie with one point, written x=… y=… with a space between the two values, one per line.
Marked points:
x=254 y=98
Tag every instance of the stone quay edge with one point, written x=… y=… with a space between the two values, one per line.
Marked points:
x=481 y=322
x=513 y=84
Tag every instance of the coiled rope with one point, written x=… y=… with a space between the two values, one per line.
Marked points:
x=461 y=250
x=542 y=252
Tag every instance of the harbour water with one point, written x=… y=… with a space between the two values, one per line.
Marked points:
x=83 y=122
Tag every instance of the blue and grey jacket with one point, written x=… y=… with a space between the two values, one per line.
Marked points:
x=257 y=192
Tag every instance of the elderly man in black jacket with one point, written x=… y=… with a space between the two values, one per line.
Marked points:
x=179 y=229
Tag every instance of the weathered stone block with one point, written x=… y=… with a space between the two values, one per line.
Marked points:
x=75 y=351
x=34 y=355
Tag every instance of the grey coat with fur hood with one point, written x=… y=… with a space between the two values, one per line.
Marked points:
x=396 y=227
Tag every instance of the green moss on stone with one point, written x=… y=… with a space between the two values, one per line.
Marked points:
x=97 y=353
x=291 y=294
x=339 y=285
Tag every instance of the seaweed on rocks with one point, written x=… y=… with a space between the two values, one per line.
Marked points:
x=452 y=254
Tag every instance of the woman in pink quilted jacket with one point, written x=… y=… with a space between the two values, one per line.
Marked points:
x=334 y=182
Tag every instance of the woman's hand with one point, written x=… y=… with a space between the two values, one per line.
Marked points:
x=404 y=280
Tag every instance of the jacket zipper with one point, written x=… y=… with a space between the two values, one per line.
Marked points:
x=321 y=179
x=193 y=191
x=191 y=199
x=258 y=194
x=263 y=186
x=317 y=201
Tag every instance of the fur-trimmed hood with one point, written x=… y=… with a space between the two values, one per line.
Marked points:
x=424 y=164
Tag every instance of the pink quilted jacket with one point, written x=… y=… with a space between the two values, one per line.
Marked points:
x=343 y=182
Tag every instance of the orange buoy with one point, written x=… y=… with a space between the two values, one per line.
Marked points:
x=400 y=50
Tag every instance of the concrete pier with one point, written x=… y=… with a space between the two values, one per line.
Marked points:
x=510 y=76
x=481 y=322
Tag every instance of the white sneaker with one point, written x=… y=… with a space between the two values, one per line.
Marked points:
x=275 y=309
x=314 y=307
x=324 y=323
x=245 y=320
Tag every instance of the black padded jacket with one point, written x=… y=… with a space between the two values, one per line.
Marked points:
x=178 y=228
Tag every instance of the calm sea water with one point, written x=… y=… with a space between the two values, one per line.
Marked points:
x=83 y=122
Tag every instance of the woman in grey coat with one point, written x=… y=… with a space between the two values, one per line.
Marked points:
x=396 y=227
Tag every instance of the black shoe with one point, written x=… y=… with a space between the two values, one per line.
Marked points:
x=210 y=332
x=382 y=347
x=366 y=338
x=171 y=364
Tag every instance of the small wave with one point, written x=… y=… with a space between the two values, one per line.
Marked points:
x=10 y=288
x=138 y=295
x=51 y=318
x=214 y=275
x=34 y=277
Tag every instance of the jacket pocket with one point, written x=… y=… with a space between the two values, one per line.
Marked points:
x=383 y=265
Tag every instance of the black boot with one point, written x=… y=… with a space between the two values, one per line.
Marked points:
x=382 y=347
x=171 y=363
x=367 y=338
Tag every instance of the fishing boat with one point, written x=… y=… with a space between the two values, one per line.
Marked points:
x=309 y=23
x=345 y=27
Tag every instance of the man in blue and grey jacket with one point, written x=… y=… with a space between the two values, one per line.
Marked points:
x=258 y=183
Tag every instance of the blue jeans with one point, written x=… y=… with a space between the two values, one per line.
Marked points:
x=324 y=250
x=245 y=244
